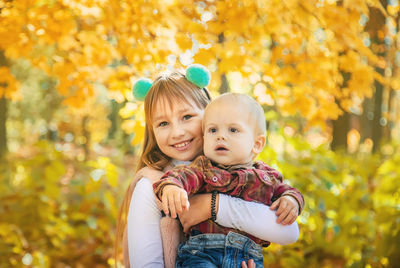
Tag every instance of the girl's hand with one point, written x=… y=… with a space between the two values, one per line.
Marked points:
x=288 y=209
x=174 y=199
x=149 y=173
x=200 y=210
x=250 y=264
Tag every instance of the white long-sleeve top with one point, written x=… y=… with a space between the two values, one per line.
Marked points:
x=143 y=228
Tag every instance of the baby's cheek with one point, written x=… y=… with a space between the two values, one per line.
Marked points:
x=207 y=153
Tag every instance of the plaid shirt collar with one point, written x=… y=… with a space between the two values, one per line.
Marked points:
x=248 y=165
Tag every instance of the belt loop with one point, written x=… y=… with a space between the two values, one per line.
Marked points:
x=228 y=240
x=246 y=249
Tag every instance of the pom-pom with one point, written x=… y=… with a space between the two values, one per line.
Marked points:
x=141 y=87
x=198 y=75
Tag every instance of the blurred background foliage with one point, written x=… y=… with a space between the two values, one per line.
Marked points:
x=325 y=71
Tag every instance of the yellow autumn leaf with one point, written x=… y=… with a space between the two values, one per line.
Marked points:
x=8 y=84
x=204 y=56
x=138 y=130
x=183 y=41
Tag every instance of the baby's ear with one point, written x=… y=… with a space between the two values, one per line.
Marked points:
x=259 y=143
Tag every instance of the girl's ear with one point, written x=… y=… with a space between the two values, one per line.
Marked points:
x=259 y=143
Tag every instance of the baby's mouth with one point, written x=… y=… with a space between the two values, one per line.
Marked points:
x=221 y=148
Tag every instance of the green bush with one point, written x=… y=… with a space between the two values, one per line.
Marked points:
x=58 y=210
x=352 y=212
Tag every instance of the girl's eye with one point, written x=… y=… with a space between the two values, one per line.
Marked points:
x=233 y=130
x=163 y=124
x=212 y=130
x=187 y=117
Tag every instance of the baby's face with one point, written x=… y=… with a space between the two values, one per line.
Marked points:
x=229 y=137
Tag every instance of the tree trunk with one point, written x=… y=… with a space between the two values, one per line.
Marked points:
x=3 y=126
x=377 y=126
x=113 y=117
x=366 y=119
x=224 y=87
x=375 y=27
x=224 y=84
x=86 y=134
x=390 y=120
x=339 y=132
x=3 y=113
x=390 y=92
x=341 y=126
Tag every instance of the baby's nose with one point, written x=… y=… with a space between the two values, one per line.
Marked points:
x=221 y=137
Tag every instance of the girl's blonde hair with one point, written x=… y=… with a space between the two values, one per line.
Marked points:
x=173 y=88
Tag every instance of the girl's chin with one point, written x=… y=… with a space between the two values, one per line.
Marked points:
x=187 y=157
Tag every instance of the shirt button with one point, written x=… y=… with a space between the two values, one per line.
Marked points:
x=214 y=179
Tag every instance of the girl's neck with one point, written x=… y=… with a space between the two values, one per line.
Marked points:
x=176 y=162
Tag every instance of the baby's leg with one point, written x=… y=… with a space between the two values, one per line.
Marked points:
x=144 y=237
x=203 y=251
x=218 y=250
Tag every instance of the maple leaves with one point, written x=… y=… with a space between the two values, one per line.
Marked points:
x=310 y=58
x=303 y=46
x=8 y=84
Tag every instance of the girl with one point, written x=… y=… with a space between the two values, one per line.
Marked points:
x=174 y=109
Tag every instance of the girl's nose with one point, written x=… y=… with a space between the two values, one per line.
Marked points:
x=177 y=131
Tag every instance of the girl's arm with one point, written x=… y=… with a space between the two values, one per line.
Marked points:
x=143 y=242
x=255 y=219
x=250 y=217
x=143 y=228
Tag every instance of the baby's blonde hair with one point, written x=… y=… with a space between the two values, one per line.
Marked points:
x=243 y=101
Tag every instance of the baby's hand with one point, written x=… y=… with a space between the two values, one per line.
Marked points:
x=174 y=200
x=288 y=209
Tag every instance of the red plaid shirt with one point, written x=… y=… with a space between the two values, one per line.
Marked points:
x=259 y=183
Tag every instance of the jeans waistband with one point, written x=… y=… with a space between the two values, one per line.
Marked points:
x=232 y=239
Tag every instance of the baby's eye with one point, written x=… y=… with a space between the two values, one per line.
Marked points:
x=163 y=124
x=212 y=130
x=187 y=117
x=233 y=130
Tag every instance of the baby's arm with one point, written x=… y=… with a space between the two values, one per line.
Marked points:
x=176 y=184
x=174 y=199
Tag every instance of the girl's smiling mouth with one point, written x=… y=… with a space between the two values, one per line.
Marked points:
x=181 y=146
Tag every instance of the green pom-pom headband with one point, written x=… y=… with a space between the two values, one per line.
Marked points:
x=141 y=87
x=195 y=73
x=198 y=75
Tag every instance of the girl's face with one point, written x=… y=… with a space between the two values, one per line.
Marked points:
x=178 y=129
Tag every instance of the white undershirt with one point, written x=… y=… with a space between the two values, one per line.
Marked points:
x=143 y=228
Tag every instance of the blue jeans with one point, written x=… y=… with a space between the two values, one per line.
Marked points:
x=218 y=250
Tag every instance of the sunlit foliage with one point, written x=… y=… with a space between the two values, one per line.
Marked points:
x=73 y=129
